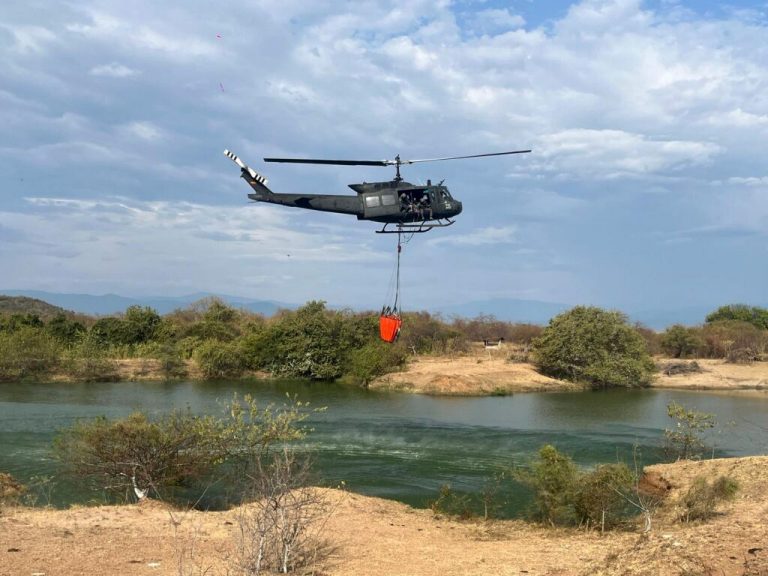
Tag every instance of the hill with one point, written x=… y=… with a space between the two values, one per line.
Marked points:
x=27 y=305
x=107 y=304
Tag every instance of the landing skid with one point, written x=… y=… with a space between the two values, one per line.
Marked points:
x=415 y=227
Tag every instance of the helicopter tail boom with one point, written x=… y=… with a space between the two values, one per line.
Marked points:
x=254 y=179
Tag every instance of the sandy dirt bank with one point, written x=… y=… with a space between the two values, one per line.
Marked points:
x=718 y=375
x=370 y=536
x=469 y=376
x=481 y=374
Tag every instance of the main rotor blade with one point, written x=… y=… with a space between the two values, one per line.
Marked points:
x=462 y=157
x=339 y=162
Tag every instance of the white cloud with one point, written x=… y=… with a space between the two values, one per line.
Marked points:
x=143 y=131
x=488 y=236
x=760 y=181
x=494 y=21
x=126 y=242
x=30 y=39
x=113 y=70
x=614 y=153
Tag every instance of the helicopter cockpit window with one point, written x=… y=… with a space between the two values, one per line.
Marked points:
x=372 y=201
x=446 y=193
x=388 y=200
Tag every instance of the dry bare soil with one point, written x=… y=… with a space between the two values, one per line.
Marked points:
x=481 y=373
x=370 y=536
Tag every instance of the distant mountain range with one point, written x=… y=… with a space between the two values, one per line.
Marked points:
x=112 y=303
x=509 y=310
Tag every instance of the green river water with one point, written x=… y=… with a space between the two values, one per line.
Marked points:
x=392 y=445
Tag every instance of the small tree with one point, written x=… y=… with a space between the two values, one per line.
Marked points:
x=587 y=344
x=685 y=441
x=680 y=342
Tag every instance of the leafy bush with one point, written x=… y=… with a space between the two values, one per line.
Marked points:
x=27 y=352
x=89 y=362
x=754 y=315
x=64 y=329
x=220 y=359
x=141 y=324
x=425 y=333
x=587 y=344
x=306 y=344
x=553 y=477
x=136 y=454
x=452 y=503
x=730 y=338
x=679 y=341
x=702 y=498
x=600 y=498
x=373 y=360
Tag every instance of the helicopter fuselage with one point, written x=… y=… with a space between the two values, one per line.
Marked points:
x=393 y=201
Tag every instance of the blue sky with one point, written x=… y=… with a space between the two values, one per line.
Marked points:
x=647 y=186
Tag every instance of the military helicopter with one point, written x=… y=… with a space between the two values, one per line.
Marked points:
x=400 y=206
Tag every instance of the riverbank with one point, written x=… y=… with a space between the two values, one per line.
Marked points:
x=483 y=375
x=379 y=537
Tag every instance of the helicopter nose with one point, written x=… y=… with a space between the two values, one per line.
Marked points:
x=457 y=207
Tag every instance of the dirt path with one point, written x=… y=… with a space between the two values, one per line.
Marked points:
x=370 y=536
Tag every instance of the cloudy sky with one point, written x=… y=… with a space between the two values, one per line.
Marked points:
x=647 y=185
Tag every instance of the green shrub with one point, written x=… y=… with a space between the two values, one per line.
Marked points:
x=88 y=361
x=172 y=364
x=64 y=329
x=219 y=359
x=702 y=498
x=754 y=315
x=452 y=503
x=27 y=352
x=679 y=341
x=600 y=498
x=373 y=360
x=178 y=449
x=554 y=478
x=587 y=344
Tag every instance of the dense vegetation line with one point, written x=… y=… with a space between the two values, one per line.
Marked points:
x=213 y=340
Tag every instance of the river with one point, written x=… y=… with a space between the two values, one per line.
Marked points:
x=394 y=445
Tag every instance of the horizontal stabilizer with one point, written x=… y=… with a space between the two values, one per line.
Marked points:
x=255 y=175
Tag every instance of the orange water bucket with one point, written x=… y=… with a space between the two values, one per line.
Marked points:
x=389 y=327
